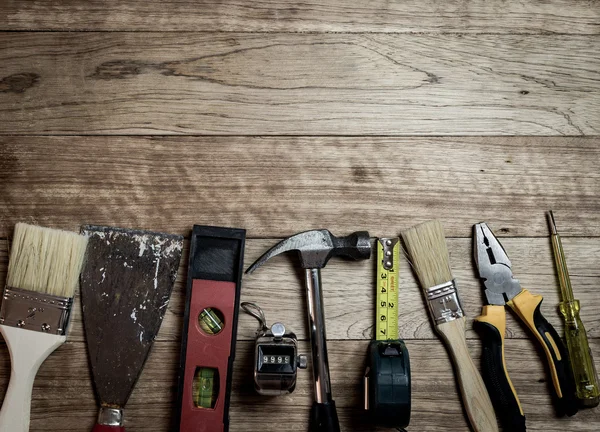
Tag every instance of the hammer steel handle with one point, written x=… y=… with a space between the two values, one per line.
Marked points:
x=318 y=337
x=323 y=416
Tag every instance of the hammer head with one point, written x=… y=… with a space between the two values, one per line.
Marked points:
x=316 y=247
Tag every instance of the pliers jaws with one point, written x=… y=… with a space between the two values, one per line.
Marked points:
x=494 y=267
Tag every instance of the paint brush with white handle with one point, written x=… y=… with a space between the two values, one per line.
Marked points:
x=43 y=273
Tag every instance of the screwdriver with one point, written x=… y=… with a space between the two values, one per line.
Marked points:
x=580 y=355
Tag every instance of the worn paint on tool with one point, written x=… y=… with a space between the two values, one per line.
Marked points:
x=125 y=287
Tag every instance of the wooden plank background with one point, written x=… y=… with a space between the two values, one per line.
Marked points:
x=473 y=16
x=299 y=84
x=279 y=116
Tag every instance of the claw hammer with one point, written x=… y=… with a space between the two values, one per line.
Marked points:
x=315 y=248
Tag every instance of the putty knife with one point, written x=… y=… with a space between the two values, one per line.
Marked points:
x=125 y=288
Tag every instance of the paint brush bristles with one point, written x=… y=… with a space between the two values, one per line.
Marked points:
x=46 y=260
x=426 y=246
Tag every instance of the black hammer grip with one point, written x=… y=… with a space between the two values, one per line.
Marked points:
x=324 y=418
x=356 y=245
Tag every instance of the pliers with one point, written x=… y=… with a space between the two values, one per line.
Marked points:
x=502 y=289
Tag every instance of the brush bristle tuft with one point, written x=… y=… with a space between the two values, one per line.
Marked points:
x=46 y=260
x=426 y=246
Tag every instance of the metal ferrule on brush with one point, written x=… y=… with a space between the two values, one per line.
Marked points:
x=35 y=311
x=444 y=302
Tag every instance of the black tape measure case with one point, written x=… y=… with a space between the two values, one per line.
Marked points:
x=387 y=378
x=387 y=383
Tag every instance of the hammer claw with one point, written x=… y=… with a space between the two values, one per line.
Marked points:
x=316 y=247
x=306 y=241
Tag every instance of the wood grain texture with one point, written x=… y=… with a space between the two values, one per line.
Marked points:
x=324 y=78
x=538 y=16
x=436 y=405
x=279 y=186
x=299 y=84
x=349 y=291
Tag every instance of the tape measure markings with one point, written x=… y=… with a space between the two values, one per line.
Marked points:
x=388 y=261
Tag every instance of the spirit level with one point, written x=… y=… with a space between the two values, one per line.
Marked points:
x=387 y=378
x=210 y=328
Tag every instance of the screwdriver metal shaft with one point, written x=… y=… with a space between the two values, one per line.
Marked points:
x=582 y=362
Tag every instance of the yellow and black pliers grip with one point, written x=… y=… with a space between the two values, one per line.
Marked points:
x=491 y=325
x=528 y=307
x=503 y=289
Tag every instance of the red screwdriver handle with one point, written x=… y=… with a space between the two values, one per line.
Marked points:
x=105 y=428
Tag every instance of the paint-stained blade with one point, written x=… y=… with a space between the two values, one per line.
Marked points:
x=125 y=288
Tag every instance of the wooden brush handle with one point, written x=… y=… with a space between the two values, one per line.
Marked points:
x=104 y=428
x=476 y=399
x=28 y=350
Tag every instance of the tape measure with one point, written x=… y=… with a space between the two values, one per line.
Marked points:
x=387 y=378
x=388 y=260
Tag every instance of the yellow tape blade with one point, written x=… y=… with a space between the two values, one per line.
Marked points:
x=388 y=252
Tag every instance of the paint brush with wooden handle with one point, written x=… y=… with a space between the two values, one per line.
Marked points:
x=428 y=252
x=43 y=273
